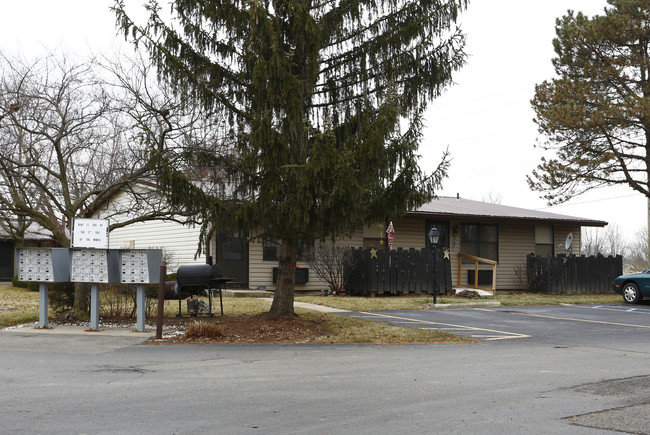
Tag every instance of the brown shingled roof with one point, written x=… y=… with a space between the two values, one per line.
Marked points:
x=450 y=207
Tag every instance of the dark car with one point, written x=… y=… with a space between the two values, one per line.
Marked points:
x=633 y=286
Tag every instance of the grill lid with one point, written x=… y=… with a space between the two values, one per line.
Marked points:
x=200 y=274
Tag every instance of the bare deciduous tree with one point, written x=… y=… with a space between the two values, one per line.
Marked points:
x=74 y=135
x=616 y=244
x=493 y=197
x=604 y=241
x=637 y=255
x=592 y=241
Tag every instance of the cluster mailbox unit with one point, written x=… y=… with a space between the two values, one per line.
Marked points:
x=90 y=261
x=43 y=264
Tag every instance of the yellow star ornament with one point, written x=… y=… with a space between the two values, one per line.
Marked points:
x=373 y=253
x=446 y=255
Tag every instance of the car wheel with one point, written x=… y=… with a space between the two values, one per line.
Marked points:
x=631 y=293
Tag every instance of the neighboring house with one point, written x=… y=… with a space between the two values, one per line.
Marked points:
x=497 y=232
x=35 y=236
x=178 y=241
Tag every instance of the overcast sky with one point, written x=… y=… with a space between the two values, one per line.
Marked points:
x=485 y=119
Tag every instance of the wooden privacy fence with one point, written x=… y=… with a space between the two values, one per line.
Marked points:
x=399 y=272
x=573 y=274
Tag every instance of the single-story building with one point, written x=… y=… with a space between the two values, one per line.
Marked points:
x=492 y=231
x=35 y=236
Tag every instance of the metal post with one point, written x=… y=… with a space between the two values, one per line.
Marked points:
x=435 y=278
x=42 y=305
x=94 y=307
x=161 y=302
x=179 y=302
x=221 y=298
x=140 y=306
x=434 y=236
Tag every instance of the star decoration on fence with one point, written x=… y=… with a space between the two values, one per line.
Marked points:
x=373 y=253
x=446 y=255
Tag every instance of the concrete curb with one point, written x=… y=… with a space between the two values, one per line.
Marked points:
x=103 y=331
x=235 y=293
x=464 y=305
x=313 y=307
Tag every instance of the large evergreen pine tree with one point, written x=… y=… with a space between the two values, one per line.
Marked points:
x=325 y=100
x=594 y=113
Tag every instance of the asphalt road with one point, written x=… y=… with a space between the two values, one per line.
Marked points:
x=546 y=370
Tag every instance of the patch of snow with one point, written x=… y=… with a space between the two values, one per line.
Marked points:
x=477 y=290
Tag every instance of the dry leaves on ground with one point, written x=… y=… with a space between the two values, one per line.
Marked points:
x=258 y=328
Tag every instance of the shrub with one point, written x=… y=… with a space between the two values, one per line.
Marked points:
x=60 y=295
x=33 y=286
x=528 y=278
x=119 y=300
x=198 y=330
x=332 y=263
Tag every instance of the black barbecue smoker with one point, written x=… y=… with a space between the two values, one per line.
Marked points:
x=198 y=278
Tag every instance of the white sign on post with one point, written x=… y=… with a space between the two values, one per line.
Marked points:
x=90 y=233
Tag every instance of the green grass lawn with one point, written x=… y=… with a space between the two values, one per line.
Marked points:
x=383 y=303
x=25 y=302
x=344 y=329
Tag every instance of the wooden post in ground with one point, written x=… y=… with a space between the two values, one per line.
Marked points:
x=161 y=301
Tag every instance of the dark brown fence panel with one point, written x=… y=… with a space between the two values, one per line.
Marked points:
x=399 y=272
x=574 y=275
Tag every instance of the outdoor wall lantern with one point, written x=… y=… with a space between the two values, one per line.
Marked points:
x=434 y=236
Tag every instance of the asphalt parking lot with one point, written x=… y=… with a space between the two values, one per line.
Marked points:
x=561 y=325
x=545 y=370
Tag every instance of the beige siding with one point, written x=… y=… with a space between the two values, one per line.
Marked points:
x=454 y=249
x=409 y=233
x=516 y=241
x=355 y=240
x=561 y=233
x=261 y=272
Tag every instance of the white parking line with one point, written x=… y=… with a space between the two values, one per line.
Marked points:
x=602 y=322
x=501 y=335
x=621 y=309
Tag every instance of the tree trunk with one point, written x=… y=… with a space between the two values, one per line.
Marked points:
x=81 y=305
x=285 y=287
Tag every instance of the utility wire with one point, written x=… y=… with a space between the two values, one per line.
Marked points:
x=587 y=202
